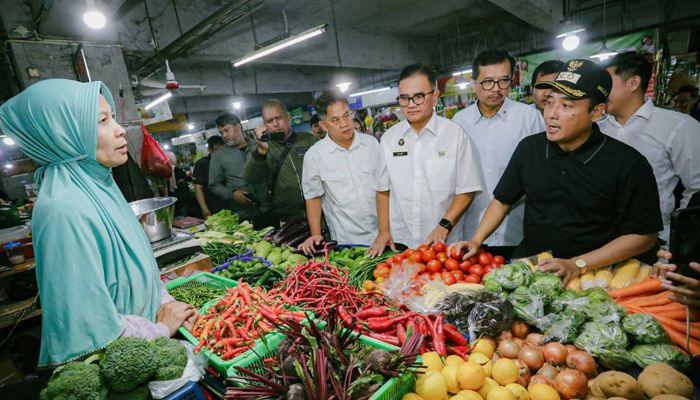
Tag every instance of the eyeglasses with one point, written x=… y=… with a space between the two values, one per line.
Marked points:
x=347 y=118
x=490 y=83
x=418 y=99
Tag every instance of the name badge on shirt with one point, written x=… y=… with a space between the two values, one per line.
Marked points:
x=400 y=153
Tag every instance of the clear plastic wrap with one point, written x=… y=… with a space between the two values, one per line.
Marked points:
x=479 y=313
x=194 y=371
x=596 y=337
x=565 y=326
x=647 y=354
x=644 y=329
x=528 y=306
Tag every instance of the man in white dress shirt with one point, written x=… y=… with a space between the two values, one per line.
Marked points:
x=338 y=178
x=496 y=125
x=545 y=72
x=669 y=140
x=428 y=172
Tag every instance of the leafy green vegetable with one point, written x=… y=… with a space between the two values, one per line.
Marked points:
x=647 y=354
x=545 y=283
x=616 y=359
x=597 y=337
x=140 y=393
x=597 y=295
x=171 y=358
x=604 y=312
x=528 y=306
x=510 y=276
x=224 y=221
x=492 y=286
x=565 y=326
x=644 y=329
x=568 y=299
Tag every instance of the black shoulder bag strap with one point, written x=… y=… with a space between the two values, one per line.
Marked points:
x=278 y=167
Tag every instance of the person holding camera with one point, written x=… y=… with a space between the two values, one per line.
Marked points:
x=278 y=161
x=248 y=201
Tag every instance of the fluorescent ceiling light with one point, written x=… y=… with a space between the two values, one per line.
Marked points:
x=8 y=141
x=381 y=89
x=93 y=17
x=8 y=166
x=245 y=121
x=570 y=42
x=166 y=147
x=282 y=44
x=466 y=71
x=569 y=28
x=236 y=105
x=159 y=100
x=190 y=126
x=343 y=86
x=603 y=53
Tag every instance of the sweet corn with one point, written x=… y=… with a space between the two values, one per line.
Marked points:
x=588 y=280
x=625 y=273
x=643 y=273
x=574 y=284
x=545 y=255
x=603 y=277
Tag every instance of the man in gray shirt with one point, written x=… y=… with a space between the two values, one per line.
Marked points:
x=249 y=201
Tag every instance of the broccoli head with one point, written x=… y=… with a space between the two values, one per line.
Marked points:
x=171 y=358
x=140 y=393
x=128 y=362
x=75 y=381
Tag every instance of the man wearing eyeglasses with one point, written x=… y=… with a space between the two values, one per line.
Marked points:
x=496 y=125
x=338 y=178
x=428 y=172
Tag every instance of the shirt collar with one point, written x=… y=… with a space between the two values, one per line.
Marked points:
x=431 y=126
x=645 y=112
x=585 y=153
x=502 y=112
x=333 y=146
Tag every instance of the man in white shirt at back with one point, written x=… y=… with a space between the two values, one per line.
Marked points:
x=338 y=178
x=428 y=172
x=669 y=140
x=496 y=124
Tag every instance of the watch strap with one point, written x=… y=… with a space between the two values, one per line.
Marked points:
x=445 y=223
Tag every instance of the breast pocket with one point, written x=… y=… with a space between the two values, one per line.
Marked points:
x=441 y=175
x=338 y=187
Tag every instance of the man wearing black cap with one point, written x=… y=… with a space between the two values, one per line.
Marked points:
x=590 y=199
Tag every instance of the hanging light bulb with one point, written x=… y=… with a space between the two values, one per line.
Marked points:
x=570 y=42
x=344 y=86
x=604 y=52
x=93 y=17
x=461 y=82
x=8 y=141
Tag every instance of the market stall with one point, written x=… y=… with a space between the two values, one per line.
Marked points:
x=419 y=324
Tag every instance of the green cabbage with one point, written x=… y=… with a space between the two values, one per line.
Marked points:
x=647 y=354
x=528 y=306
x=644 y=329
x=545 y=283
x=615 y=359
x=597 y=295
x=510 y=276
x=604 y=312
x=568 y=299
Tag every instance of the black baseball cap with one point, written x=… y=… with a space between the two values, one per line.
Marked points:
x=580 y=79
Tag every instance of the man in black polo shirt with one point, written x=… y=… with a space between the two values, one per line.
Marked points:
x=590 y=199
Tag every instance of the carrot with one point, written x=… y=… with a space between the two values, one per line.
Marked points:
x=653 y=300
x=679 y=315
x=680 y=339
x=672 y=306
x=680 y=325
x=649 y=285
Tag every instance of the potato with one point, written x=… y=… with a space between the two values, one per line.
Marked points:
x=619 y=384
x=661 y=378
x=617 y=398
x=594 y=389
x=669 y=397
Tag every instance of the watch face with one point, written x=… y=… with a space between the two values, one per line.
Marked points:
x=580 y=263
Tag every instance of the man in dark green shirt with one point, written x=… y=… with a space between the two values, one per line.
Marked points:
x=278 y=161
x=249 y=201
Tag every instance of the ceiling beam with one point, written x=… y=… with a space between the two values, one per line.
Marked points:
x=541 y=14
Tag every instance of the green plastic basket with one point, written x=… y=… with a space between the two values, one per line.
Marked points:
x=393 y=389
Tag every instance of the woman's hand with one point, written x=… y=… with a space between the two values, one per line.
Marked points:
x=175 y=314
x=686 y=290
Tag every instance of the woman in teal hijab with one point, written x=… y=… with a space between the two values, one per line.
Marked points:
x=97 y=275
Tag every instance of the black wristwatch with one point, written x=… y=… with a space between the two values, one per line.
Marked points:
x=445 y=223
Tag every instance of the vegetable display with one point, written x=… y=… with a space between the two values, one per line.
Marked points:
x=254 y=270
x=196 y=295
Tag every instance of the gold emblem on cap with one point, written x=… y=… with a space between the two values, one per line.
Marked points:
x=401 y=142
x=574 y=65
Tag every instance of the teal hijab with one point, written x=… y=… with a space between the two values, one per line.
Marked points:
x=94 y=263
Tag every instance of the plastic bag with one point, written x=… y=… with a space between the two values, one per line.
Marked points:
x=194 y=370
x=509 y=276
x=644 y=329
x=401 y=287
x=647 y=354
x=565 y=326
x=597 y=337
x=528 y=306
x=604 y=312
x=479 y=313
x=154 y=161
x=568 y=299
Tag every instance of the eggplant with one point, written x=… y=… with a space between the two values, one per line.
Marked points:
x=295 y=241
x=294 y=232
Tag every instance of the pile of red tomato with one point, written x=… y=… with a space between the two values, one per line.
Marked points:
x=433 y=262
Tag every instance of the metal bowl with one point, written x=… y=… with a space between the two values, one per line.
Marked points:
x=156 y=216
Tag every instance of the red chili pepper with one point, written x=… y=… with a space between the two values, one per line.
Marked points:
x=453 y=350
x=345 y=315
x=385 y=338
x=463 y=349
x=386 y=325
x=371 y=312
x=439 y=337
x=230 y=354
x=401 y=333
x=453 y=335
